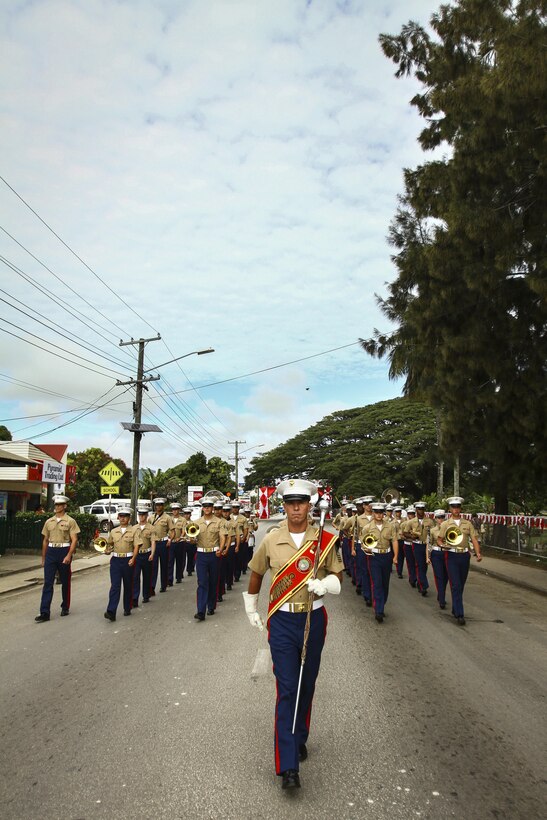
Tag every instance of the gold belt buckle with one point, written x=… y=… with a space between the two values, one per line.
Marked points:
x=298 y=607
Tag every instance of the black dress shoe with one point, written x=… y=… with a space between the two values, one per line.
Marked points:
x=358 y=590
x=461 y=621
x=178 y=581
x=163 y=589
x=110 y=616
x=145 y=600
x=290 y=779
x=41 y=618
x=152 y=593
x=442 y=606
x=368 y=602
x=199 y=616
x=399 y=575
x=127 y=612
x=228 y=587
x=413 y=584
x=189 y=574
x=302 y=752
x=135 y=604
x=64 y=612
x=210 y=612
x=220 y=599
x=424 y=592
x=379 y=618
x=170 y=584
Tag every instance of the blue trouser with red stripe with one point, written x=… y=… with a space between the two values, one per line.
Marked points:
x=161 y=557
x=207 y=572
x=120 y=571
x=190 y=556
x=420 y=559
x=400 y=558
x=379 y=567
x=54 y=563
x=144 y=566
x=457 y=567
x=346 y=554
x=439 y=574
x=410 y=562
x=366 y=588
x=177 y=556
x=286 y=638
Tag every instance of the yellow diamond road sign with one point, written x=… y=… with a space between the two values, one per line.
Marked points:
x=111 y=473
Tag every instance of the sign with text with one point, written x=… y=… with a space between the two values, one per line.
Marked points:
x=53 y=472
x=110 y=490
x=195 y=492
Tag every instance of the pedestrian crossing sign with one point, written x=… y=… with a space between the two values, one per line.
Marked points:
x=111 y=473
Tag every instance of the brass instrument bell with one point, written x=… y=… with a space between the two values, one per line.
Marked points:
x=100 y=545
x=454 y=536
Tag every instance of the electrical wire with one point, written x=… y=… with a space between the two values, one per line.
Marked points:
x=79 y=258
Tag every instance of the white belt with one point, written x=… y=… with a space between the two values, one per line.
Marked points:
x=439 y=549
x=143 y=552
x=207 y=549
x=293 y=607
x=59 y=545
x=121 y=554
x=380 y=551
x=455 y=549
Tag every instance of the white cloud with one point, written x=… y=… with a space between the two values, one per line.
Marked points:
x=230 y=169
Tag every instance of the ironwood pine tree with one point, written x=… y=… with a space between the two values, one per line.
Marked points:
x=469 y=301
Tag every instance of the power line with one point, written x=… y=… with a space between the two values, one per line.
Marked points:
x=265 y=369
x=79 y=258
x=71 y=361
x=44 y=390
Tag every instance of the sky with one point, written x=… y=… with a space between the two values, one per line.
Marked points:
x=220 y=172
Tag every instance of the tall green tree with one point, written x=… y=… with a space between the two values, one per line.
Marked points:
x=88 y=464
x=357 y=451
x=5 y=434
x=468 y=303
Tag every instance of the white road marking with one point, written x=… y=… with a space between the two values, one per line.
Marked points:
x=261 y=664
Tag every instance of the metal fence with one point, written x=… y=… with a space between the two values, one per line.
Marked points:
x=16 y=534
x=528 y=541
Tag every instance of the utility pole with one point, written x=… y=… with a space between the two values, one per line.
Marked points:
x=137 y=414
x=237 y=460
x=440 y=462
x=457 y=475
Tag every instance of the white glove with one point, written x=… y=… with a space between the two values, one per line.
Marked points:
x=250 y=602
x=329 y=584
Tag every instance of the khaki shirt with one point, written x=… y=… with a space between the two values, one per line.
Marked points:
x=162 y=524
x=60 y=532
x=252 y=523
x=179 y=525
x=277 y=548
x=209 y=534
x=147 y=535
x=466 y=527
x=385 y=536
x=405 y=529
x=397 y=523
x=126 y=541
x=241 y=524
x=231 y=531
x=419 y=528
x=434 y=534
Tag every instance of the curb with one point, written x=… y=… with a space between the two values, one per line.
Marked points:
x=499 y=576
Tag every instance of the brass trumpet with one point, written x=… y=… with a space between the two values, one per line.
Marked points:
x=454 y=536
x=192 y=531
x=100 y=545
x=371 y=541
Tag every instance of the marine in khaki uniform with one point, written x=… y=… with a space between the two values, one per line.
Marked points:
x=123 y=545
x=397 y=522
x=242 y=532
x=456 y=555
x=145 y=558
x=418 y=529
x=252 y=526
x=286 y=553
x=436 y=559
x=406 y=535
x=380 y=555
x=163 y=531
x=60 y=536
x=210 y=544
x=177 y=553
x=227 y=555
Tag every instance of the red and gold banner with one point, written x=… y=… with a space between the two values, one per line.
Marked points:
x=298 y=571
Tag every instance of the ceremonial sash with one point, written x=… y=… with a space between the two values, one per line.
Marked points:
x=298 y=571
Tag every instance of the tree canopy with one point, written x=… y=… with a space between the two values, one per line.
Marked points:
x=357 y=451
x=197 y=470
x=468 y=303
x=5 y=434
x=88 y=484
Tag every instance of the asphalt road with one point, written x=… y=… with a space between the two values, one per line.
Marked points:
x=159 y=716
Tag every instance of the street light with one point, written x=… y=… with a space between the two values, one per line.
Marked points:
x=193 y=353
